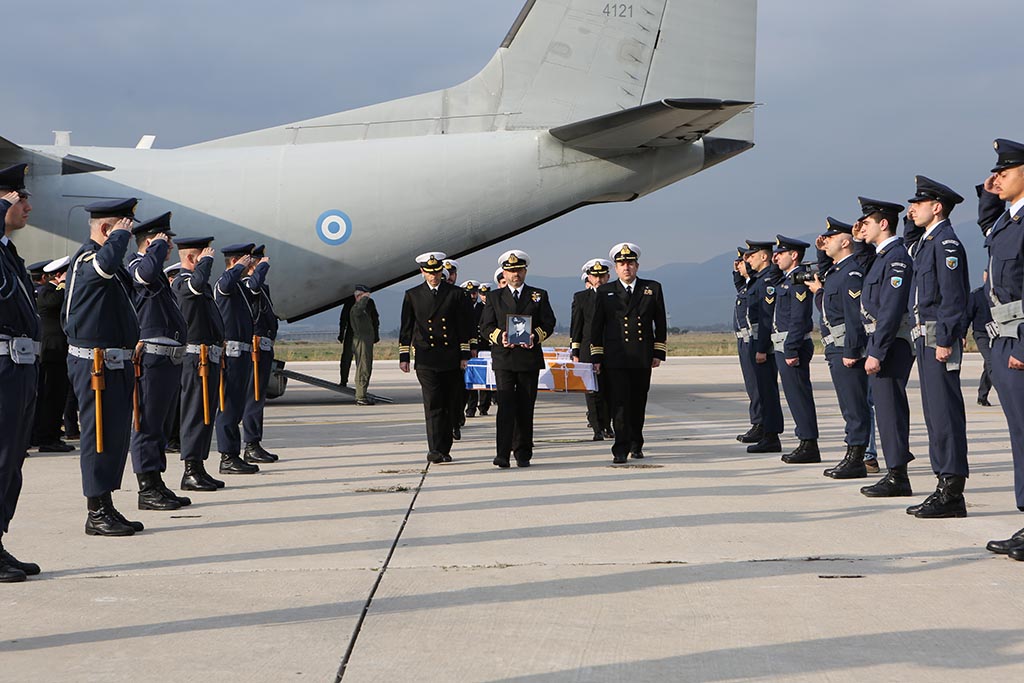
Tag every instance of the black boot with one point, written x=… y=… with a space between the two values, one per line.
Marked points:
x=195 y=477
x=598 y=435
x=769 y=443
x=1004 y=547
x=947 y=501
x=254 y=452
x=101 y=520
x=851 y=466
x=182 y=500
x=9 y=572
x=806 y=452
x=7 y=561
x=894 y=484
x=151 y=493
x=752 y=435
x=137 y=526
x=232 y=464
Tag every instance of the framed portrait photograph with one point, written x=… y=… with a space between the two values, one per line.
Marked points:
x=519 y=328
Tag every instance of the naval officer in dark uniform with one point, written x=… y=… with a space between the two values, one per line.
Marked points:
x=792 y=324
x=516 y=366
x=761 y=295
x=890 y=353
x=741 y=328
x=158 y=359
x=842 y=331
x=200 y=373
x=597 y=272
x=53 y=365
x=103 y=329
x=486 y=396
x=264 y=325
x=19 y=348
x=1001 y=217
x=939 y=294
x=232 y=296
x=434 y=323
x=629 y=339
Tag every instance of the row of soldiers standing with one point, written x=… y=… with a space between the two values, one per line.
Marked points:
x=883 y=302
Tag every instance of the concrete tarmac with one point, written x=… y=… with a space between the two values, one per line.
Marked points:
x=700 y=563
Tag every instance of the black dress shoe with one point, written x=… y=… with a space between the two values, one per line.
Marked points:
x=598 y=436
x=151 y=493
x=434 y=456
x=984 y=402
x=9 y=573
x=522 y=463
x=232 y=464
x=1017 y=554
x=457 y=433
x=1004 y=547
x=503 y=464
x=806 y=453
x=638 y=454
x=30 y=568
x=470 y=413
x=254 y=452
x=768 y=444
x=172 y=447
x=195 y=477
x=483 y=412
x=365 y=402
x=447 y=457
x=851 y=466
x=56 y=447
x=618 y=459
x=752 y=435
x=894 y=484
x=608 y=433
x=102 y=521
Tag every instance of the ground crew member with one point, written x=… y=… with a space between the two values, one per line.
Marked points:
x=596 y=273
x=761 y=293
x=365 y=325
x=264 y=323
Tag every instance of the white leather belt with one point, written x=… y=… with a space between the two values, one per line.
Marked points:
x=22 y=350
x=172 y=352
x=234 y=349
x=781 y=337
x=213 y=353
x=114 y=359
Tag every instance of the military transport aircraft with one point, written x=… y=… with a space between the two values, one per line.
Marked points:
x=585 y=102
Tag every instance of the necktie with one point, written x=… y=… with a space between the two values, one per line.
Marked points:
x=515 y=295
x=434 y=291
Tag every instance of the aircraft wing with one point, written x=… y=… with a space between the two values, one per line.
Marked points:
x=658 y=124
x=46 y=164
x=7 y=144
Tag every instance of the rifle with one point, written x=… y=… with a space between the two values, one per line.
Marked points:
x=204 y=373
x=256 y=367
x=98 y=386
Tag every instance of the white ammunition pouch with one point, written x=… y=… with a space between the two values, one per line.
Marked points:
x=1006 y=320
x=22 y=350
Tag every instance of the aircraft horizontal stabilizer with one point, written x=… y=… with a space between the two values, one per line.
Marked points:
x=7 y=144
x=41 y=163
x=658 y=124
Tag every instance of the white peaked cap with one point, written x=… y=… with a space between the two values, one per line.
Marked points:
x=499 y=274
x=451 y=264
x=618 y=248
x=56 y=264
x=594 y=261
x=518 y=255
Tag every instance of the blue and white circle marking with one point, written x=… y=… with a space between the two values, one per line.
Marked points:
x=334 y=227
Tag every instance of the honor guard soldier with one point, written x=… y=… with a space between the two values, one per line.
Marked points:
x=629 y=339
x=433 y=322
x=977 y=317
x=53 y=365
x=264 y=324
x=741 y=327
x=761 y=295
x=596 y=273
x=172 y=425
x=200 y=373
x=1001 y=217
x=103 y=329
x=792 y=324
x=884 y=306
x=939 y=295
x=19 y=347
x=158 y=358
x=516 y=366
x=485 y=396
x=842 y=332
x=232 y=298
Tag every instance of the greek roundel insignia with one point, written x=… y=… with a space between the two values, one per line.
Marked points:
x=770 y=291
x=801 y=296
x=952 y=262
x=896 y=282
x=535 y=296
x=853 y=294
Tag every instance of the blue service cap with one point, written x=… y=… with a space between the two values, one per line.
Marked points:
x=37 y=268
x=754 y=246
x=361 y=288
x=1009 y=154
x=259 y=252
x=240 y=249
x=193 y=242
x=161 y=223
x=930 y=190
x=870 y=206
x=740 y=252
x=783 y=243
x=13 y=178
x=113 y=208
x=836 y=227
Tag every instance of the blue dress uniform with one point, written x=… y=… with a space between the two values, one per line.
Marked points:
x=792 y=324
x=741 y=328
x=761 y=296
x=581 y=332
x=626 y=350
x=843 y=334
x=19 y=346
x=434 y=323
x=265 y=324
x=939 y=295
x=158 y=362
x=977 y=317
x=103 y=329
x=194 y=293
x=232 y=297
x=884 y=313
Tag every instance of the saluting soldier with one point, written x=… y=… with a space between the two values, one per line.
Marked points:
x=842 y=331
x=264 y=326
x=792 y=324
x=232 y=296
x=158 y=360
x=939 y=295
x=741 y=328
x=761 y=294
x=103 y=329
x=890 y=353
x=596 y=272
x=200 y=373
x=53 y=365
x=19 y=346
x=172 y=425
x=1001 y=217
x=516 y=366
x=629 y=339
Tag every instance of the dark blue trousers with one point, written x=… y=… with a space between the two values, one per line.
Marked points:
x=892 y=410
x=627 y=390
x=944 y=414
x=852 y=391
x=196 y=436
x=17 y=407
x=1010 y=385
x=767 y=377
x=749 y=380
x=237 y=372
x=158 y=392
x=796 y=382
x=252 y=418
x=985 y=383
x=102 y=472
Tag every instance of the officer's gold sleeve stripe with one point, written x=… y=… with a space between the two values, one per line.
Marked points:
x=597 y=350
x=404 y=349
x=540 y=334
x=464 y=347
x=473 y=340
x=576 y=345
x=658 y=346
